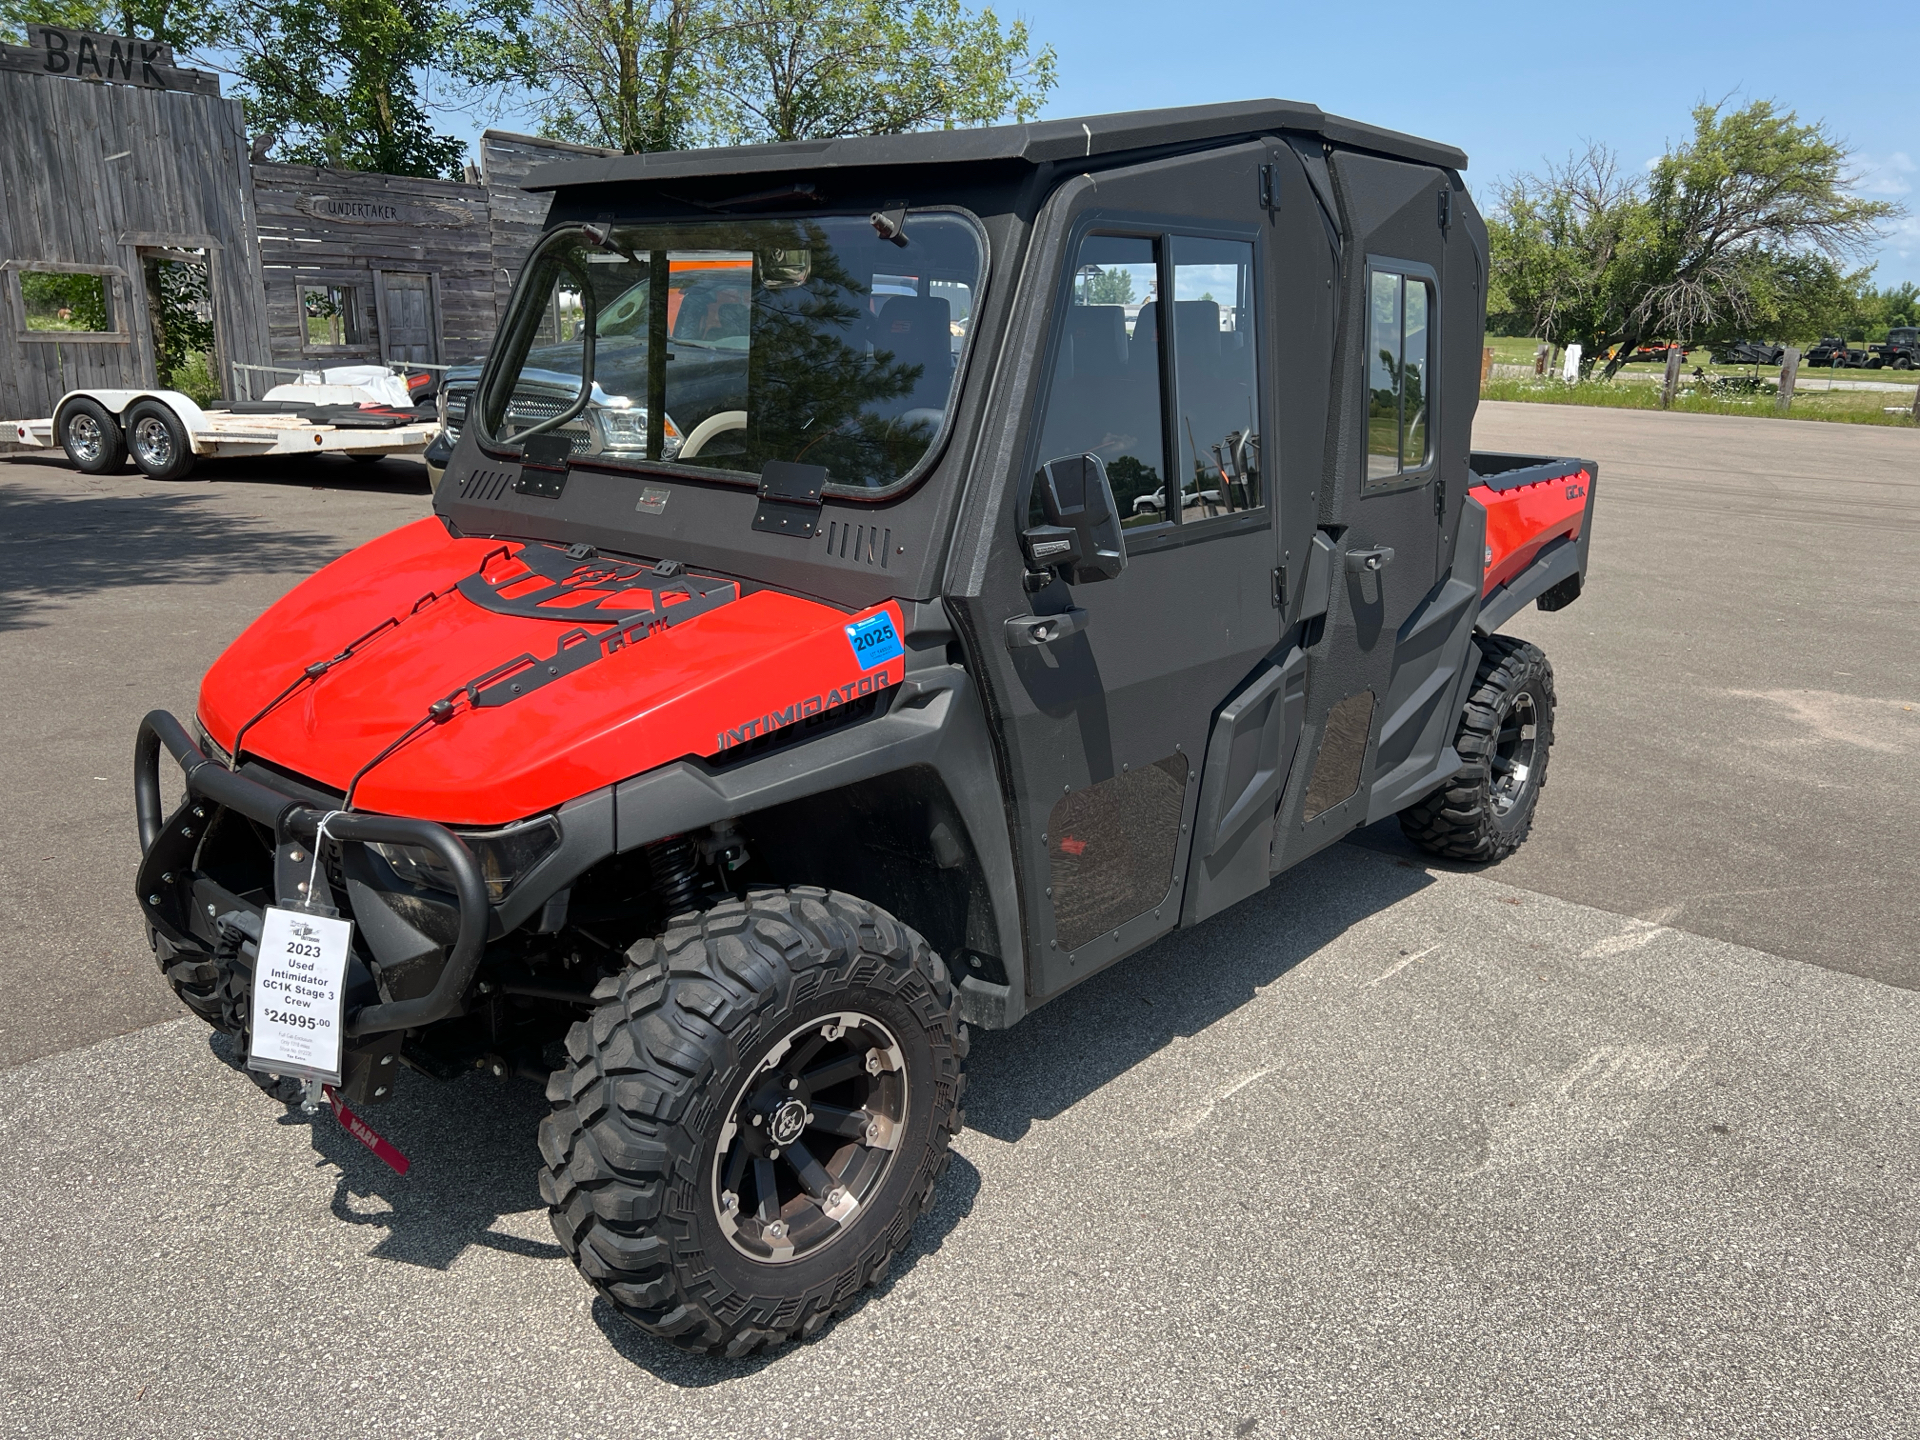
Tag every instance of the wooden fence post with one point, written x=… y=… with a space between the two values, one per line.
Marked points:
x=1672 y=382
x=1789 y=372
x=1486 y=364
x=1916 y=405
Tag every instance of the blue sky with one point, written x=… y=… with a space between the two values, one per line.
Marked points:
x=1513 y=85
x=1517 y=85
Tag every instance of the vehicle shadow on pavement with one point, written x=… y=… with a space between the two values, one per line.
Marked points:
x=1176 y=987
x=473 y=1158
x=59 y=547
x=952 y=1202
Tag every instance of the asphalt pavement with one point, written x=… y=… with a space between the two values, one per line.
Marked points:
x=1381 y=1152
x=1616 y=1137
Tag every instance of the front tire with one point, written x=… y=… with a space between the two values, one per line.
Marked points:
x=754 y=1116
x=1484 y=813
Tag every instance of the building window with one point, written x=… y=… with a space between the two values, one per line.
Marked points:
x=331 y=313
x=1399 y=373
x=64 y=302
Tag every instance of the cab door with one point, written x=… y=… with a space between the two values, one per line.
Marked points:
x=1387 y=655
x=1154 y=360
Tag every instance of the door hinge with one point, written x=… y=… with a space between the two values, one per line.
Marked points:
x=1439 y=499
x=1446 y=209
x=1279 y=587
x=1269 y=188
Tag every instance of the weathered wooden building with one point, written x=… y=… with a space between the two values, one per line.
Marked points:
x=137 y=237
x=100 y=182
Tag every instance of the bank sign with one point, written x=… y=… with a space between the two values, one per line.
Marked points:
x=83 y=55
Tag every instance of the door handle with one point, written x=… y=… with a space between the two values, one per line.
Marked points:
x=1025 y=630
x=1364 y=562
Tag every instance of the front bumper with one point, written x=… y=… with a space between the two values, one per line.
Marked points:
x=185 y=906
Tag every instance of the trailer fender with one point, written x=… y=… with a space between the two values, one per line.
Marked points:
x=115 y=402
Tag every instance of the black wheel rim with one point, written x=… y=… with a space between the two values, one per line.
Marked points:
x=1513 y=758
x=810 y=1137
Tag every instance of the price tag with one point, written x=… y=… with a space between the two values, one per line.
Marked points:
x=299 y=994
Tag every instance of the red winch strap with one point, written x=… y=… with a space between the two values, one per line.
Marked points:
x=365 y=1133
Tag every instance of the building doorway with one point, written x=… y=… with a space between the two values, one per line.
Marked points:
x=409 y=328
x=178 y=284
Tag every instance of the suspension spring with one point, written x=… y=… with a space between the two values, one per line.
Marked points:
x=675 y=879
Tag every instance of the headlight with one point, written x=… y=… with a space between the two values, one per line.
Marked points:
x=623 y=430
x=505 y=856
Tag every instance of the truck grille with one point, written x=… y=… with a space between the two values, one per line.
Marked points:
x=522 y=411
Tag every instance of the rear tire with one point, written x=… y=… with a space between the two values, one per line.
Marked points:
x=92 y=438
x=1484 y=813
x=819 y=1014
x=158 y=441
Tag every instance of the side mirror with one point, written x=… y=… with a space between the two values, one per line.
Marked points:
x=1082 y=537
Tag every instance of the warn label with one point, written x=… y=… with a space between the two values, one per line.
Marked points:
x=801 y=711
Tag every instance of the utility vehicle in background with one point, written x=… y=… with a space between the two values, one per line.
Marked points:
x=1900 y=350
x=878 y=585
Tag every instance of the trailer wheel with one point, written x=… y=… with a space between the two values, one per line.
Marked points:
x=1485 y=812
x=754 y=1116
x=92 y=437
x=158 y=441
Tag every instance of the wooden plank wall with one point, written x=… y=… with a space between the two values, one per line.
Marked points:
x=89 y=173
x=317 y=223
x=506 y=160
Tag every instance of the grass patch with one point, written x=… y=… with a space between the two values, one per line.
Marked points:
x=1849 y=407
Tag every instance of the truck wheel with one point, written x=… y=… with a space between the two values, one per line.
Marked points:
x=753 y=1117
x=158 y=441
x=1485 y=811
x=91 y=437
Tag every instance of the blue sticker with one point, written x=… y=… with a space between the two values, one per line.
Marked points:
x=874 y=641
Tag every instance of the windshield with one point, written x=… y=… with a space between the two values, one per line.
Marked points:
x=814 y=341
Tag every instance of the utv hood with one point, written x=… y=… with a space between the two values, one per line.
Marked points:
x=476 y=682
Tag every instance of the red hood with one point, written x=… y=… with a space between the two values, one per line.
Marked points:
x=614 y=703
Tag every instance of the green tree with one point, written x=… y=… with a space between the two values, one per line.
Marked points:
x=623 y=73
x=184 y=24
x=1741 y=231
x=344 y=83
x=1109 y=287
x=815 y=69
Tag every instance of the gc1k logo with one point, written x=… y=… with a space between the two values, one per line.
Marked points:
x=874 y=641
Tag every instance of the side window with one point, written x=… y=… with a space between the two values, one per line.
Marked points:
x=1217 y=419
x=1399 y=364
x=1105 y=398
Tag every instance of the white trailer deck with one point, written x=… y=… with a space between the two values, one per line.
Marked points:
x=205 y=432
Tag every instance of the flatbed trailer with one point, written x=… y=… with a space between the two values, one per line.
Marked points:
x=165 y=432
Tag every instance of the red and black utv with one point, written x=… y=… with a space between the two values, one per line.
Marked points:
x=878 y=584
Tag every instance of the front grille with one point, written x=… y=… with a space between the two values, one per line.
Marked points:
x=526 y=410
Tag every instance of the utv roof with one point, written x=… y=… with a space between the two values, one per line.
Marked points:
x=1038 y=143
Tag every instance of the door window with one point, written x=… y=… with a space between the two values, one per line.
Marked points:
x=1105 y=398
x=1399 y=366
x=1217 y=430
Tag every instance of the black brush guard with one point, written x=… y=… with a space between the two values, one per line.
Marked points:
x=291 y=818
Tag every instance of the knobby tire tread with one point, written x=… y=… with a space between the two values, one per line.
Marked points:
x=649 y=1072
x=1458 y=820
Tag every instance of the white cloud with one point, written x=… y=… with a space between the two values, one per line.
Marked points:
x=1887 y=175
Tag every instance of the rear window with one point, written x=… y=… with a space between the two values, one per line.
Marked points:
x=814 y=341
